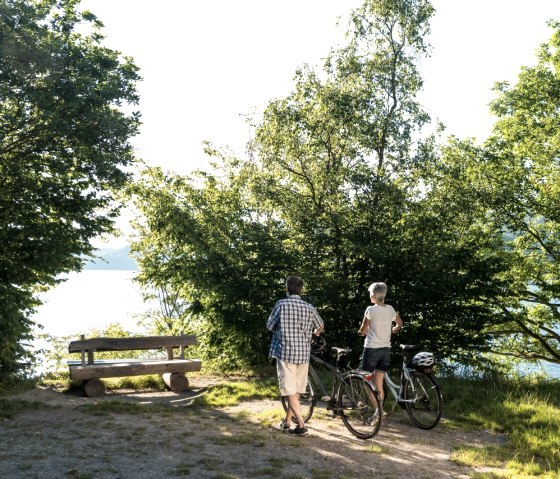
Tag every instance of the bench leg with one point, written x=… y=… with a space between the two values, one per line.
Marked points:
x=94 y=388
x=177 y=382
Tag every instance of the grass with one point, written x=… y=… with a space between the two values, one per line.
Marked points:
x=377 y=449
x=10 y=407
x=248 y=438
x=527 y=411
x=270 y=417
x=232 y=393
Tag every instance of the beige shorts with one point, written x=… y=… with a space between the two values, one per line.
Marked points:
x=292 y=378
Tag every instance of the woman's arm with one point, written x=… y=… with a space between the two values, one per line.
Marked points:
x=398 y=324
x=364 y=327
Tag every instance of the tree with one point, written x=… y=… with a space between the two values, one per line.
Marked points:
x=516 y=177
x=338 y=163
x=338 y=188
x=206 y=242
x=336 y=149
x=64 y=152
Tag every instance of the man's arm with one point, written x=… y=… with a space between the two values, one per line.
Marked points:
x=318 y=323
x=274 y=318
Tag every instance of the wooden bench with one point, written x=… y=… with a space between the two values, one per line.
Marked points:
x=90 y=370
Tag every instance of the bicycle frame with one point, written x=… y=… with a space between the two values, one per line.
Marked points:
x=317 y=379
x=396 y=389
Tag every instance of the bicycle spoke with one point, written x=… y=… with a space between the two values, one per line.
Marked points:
x=360 y=407
x=423 y=400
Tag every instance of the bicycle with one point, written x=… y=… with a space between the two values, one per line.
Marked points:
x=353 y=396
x=418 y=392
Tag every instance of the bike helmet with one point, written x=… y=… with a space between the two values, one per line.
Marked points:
x=423 y=360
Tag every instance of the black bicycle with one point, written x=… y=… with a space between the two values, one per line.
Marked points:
x=353 y=396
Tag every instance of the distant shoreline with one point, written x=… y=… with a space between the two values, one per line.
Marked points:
x=112 y=259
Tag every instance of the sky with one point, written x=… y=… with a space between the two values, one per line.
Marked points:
x=208 y=65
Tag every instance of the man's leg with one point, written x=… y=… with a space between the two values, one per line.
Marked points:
x=288 y=380
x=289 y=414
x=295 y=410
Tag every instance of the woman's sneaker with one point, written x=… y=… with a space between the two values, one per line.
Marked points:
x=299 y=431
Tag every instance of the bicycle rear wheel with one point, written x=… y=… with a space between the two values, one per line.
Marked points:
x=423 y=400
x=306 y=402
x=359 y=405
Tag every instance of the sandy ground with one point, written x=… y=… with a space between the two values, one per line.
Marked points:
x=69 y=439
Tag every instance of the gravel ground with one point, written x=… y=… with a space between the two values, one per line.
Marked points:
x=70 y=436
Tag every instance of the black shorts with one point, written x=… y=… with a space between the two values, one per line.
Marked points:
x=376 y=359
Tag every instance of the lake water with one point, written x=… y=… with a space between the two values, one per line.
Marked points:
x=91 y=299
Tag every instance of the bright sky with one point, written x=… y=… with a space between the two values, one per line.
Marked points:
x=207 y=64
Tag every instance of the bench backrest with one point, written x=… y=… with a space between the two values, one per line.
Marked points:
x=131 y=343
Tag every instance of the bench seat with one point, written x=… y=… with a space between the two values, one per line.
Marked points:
x=131 y=367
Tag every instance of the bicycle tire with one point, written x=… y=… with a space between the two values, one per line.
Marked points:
x=425 y=410
x=359 y=406
x=306 y=401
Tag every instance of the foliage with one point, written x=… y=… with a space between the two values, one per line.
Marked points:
x=64 y=151
x=337 y=163
x=523 y=164
x=513 y=181
x=338 y=188
x=202 y=241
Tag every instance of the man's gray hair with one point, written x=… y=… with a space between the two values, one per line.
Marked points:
x=379 y=290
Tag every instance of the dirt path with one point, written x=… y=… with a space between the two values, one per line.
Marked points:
x=70 y=439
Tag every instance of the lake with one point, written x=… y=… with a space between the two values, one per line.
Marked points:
x=91 y=299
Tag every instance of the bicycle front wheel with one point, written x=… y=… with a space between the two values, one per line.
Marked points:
x=422 y=399
x=359 y=405
x=306 y=402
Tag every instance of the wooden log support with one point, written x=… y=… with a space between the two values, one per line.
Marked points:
x=94 y=388
x=177 y=382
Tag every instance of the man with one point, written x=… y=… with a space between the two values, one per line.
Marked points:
x=293 y=321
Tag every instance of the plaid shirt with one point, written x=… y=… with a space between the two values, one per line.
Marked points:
x=292 y=321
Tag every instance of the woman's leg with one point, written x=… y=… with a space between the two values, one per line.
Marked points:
x=378 y=378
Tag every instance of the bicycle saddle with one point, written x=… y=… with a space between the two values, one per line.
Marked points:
x=408 y=347
x=341 y=351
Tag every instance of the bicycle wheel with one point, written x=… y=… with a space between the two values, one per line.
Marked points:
x=359 y=405
x=306 y=402
x=423 y=400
